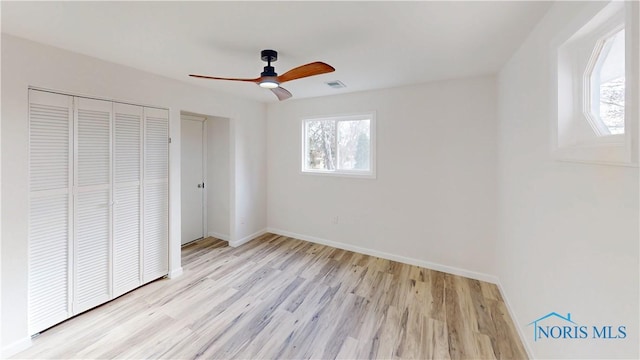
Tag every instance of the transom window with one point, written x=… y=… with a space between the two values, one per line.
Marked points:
x=339 y=145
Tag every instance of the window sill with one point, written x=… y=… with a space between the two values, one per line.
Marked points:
x=346 y=174
x=613 y=154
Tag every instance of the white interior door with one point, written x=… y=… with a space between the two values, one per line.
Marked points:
x=192 y=179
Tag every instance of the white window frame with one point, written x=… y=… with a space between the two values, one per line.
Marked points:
x=575 y=135
x=370 y=174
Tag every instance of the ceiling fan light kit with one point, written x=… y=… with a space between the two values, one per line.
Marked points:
x=269 y=79
x=269 y=83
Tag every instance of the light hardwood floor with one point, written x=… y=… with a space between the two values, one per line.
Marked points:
x=282 y=298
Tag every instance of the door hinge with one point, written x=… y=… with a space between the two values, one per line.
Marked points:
x=203 y=185
x=169 y=140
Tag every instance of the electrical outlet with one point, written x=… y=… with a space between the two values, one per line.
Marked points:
x=334 y=219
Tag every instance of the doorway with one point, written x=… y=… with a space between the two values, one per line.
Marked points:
x=193 y=169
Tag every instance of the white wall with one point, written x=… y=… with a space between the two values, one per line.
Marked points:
x=218 y=193
x=433 y=202
x=249 y=196
x=568 y=236
x=26 y=63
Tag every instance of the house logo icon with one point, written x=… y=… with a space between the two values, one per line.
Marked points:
x=556 y=326
x=539 y=331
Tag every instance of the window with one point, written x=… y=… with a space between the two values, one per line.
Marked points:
x=605 y=105
x=596 y=87
x=339 y=145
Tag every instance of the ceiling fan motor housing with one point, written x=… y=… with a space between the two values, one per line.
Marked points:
x=269 y=71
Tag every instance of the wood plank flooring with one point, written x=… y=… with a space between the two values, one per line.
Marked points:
x=282 y=298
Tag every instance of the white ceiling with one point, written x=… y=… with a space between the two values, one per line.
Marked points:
x=372 y=45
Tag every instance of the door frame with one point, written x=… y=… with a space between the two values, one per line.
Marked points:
x=203 y=119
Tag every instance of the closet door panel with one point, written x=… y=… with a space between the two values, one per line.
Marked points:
x=92 y=249
x=156 y=144
x=93 y=142
x=49 y=140
x=126 y=266
x=128 y=143
x=48 y=261
x=156 y=231
x=92 y=275
x=127 y=214
x=49 y=245
x=156 y=194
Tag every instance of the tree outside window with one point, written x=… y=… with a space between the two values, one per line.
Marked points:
x=338 y=145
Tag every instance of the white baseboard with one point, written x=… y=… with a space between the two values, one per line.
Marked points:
x=15 y=347
x=247 y=238
x=519 y=328
x=381 y=254
x=219 y=236
x=175 y=273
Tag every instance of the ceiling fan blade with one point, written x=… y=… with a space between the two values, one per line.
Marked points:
x=311 y=69
x=256 y=80
x=281 y=93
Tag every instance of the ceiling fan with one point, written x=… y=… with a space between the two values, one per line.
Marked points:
x=269 y=79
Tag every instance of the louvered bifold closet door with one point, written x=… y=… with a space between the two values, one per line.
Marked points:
x=92 y=242
x=156 y=193
x=50 y=161
x=127 y=209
